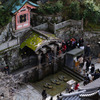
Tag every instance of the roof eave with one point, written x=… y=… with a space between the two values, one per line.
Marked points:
x=33 y=4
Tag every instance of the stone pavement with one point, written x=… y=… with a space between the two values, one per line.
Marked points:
x=27 y=93
x=95 y=62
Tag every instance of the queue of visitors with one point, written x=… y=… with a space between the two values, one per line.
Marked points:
x=87 y=69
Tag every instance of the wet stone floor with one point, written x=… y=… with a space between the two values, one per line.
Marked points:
x=53 y=84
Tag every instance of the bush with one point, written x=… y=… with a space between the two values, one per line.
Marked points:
x=5 y=17
x=90 y=14
x=58 y=6
x=74 y=10
x=50 y=8
x=5 y=12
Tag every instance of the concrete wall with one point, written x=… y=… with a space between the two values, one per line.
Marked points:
x=69 y=23
x=51 y=27
x=55 y=27
x=42 y=26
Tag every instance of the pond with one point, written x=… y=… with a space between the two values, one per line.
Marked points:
x=51 y=86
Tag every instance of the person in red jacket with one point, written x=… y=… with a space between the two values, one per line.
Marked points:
x=64 y=48
x=76 y=86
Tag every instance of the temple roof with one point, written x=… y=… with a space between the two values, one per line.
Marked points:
x=33 y=41
x=20 y=3
x=36 y=40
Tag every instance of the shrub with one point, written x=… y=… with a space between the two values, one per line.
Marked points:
x=50 y=8
x=58 y=6
x=91 y=14
x=5 y=17
x=74 y=10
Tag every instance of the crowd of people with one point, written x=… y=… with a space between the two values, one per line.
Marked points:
x=66 y=45
x=87 y=69
x=71 y=44
x=83 y=62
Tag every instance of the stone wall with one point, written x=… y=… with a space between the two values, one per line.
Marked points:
x=7 y=31
x=69 y=29
x=11 y=58
x=93 y=38
x=4 y=33
x=42 y=26
x=67 y=23
x=43 y=19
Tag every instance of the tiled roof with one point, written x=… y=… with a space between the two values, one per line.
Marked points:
x=72 y=96
x=20 y=4
x=94 y=84
x=88 y=92
x=83 y=96
x=76 y=97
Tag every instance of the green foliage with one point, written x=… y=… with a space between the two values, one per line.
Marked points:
x=5 y=12
x=91 y=14
x=87 y=10
x=5 y=17
x=92 y=26
x=50 y=8
x=74 y=10
x=58 y=6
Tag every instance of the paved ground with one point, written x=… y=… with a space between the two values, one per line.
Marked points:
x=95 y=62
x=27 y=93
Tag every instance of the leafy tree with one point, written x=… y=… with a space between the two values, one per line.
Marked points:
x=74 y=10
x=50 y=8
x=90 y=14
x=5 y=11
x=5 y=17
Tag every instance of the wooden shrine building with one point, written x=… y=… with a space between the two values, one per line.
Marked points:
x=21 y=12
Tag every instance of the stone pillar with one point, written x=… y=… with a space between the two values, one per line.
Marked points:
x=40 y=72
x=55 y=58
x=54 y=28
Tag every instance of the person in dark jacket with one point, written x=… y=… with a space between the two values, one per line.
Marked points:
x=87 y=50
x=6 y=69
x=44 y=94
x=68 y=45
x=81 y=41
x=86 y=80
x=96 y=75
x=88 y=62
x=92 y=68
